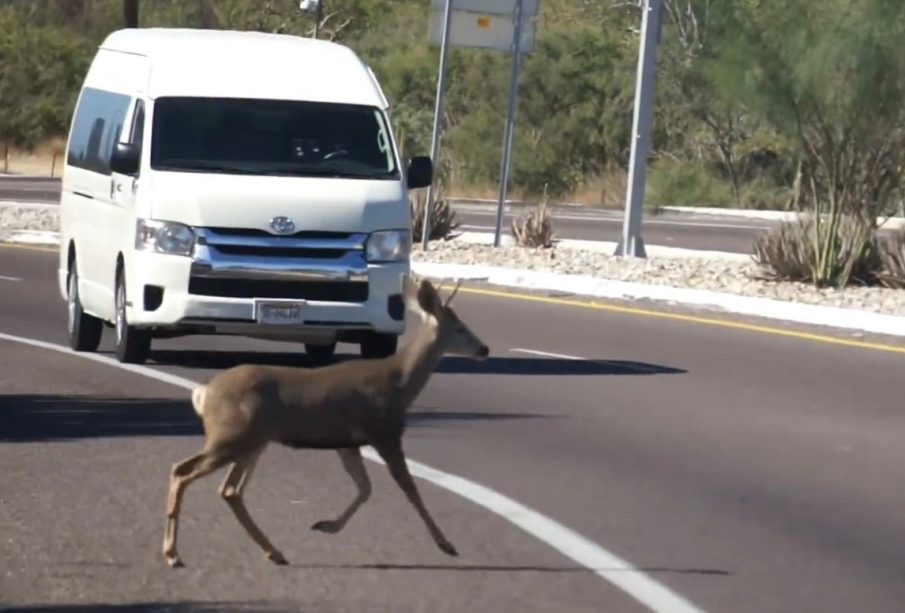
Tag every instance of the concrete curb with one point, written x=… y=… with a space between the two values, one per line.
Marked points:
x=596 y=287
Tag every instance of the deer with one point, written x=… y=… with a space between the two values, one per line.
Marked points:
x=340 y=406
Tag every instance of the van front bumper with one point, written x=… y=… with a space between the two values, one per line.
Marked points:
x=219 y=291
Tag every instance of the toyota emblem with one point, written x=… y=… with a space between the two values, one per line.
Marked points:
x=282 y=225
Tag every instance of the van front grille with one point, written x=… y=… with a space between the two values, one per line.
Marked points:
x=281 y=252
x=326 y=291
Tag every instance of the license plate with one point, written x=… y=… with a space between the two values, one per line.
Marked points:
x=280 y=313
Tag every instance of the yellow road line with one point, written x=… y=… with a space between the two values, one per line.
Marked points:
x=29 y=247
x=612 y=308
x=697 y=319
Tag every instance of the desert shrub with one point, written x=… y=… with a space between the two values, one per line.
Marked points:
x=535 y=228
x=826 y=251
x=681 y=183
x=443 y=221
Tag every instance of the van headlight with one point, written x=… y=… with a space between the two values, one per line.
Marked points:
x=164 y=237
x=389 y=246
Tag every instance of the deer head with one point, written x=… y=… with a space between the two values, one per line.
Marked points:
x=453 y=336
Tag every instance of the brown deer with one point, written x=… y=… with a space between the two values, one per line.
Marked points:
x=341 y=406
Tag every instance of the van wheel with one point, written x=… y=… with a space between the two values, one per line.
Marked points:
x=132 y=344
x=321 y=354
x=376 y=346
x=84 y=330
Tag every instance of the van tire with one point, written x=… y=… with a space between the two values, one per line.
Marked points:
x=376 y=346
x=321 y=354
x=84 y=330
x=132 y=344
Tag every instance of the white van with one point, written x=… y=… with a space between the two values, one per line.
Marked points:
x=241 y=183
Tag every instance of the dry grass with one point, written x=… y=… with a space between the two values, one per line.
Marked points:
x=45 y=161
x=605 y=190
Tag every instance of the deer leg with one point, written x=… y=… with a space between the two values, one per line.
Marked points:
x=355 y=467
x=231 y=491
x=395 y=461
x=184 y=473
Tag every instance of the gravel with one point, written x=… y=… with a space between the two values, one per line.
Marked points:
x=695 y=273
x=736 y=277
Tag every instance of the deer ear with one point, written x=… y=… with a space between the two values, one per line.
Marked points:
x=428 y=298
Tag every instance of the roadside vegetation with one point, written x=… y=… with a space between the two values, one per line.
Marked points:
x=760 y=104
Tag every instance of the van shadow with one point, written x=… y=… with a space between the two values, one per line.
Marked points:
x=221 y=360
x=30 y=418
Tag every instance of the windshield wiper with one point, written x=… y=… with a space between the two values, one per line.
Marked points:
x=204 y=165
x=324 y=172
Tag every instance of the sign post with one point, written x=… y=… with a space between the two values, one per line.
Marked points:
x=632 y=244
x=510 y=120
x=499 y=25
x=438 y=118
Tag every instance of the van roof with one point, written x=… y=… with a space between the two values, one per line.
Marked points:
x=237 y=64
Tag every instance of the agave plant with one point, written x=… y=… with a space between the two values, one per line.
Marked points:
x=443 y=221
x=825 y=252
x=534 y=229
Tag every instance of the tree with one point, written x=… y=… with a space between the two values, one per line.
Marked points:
x=831 y=76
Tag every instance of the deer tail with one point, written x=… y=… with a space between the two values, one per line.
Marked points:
x=198 y=400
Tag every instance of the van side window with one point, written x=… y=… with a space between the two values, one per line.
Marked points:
x=96 y=128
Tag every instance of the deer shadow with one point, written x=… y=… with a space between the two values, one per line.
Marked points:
x=28 y=418
x=220 y=360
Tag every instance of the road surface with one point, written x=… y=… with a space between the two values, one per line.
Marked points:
x=666 y=229
x=743 y=470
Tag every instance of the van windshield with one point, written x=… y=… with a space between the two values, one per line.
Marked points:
x=271 y=137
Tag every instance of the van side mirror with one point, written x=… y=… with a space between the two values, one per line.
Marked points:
x=125 y=159
x=420 y=172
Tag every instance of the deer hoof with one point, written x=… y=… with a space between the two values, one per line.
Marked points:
x=330 y=527
x=447 y=548
x=277 y=558
x=174 y=562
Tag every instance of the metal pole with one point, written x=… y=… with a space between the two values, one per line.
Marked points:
x=438 y=118
x=632 y=244
x=510 y=121
x=318 y=14
x=130 y=13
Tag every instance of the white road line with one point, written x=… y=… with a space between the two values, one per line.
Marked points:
x=562 y=356
x=5 y=278
x=644 y=589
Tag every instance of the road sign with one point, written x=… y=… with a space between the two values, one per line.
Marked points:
x=484 y=25
x=501 y=25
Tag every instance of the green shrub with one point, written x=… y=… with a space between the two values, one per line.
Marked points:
x=679 y=183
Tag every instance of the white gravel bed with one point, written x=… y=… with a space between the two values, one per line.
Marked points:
x=705 y=274
x=29 y=217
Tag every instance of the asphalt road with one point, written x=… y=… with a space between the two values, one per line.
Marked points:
x=666 y=229
x=746 y=471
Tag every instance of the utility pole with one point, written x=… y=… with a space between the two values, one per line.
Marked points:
x=632 y=244
x=130 y=13
x=510 y=120
x=438 y=122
